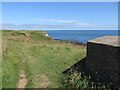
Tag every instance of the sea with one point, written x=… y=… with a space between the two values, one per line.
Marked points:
x=80 y=36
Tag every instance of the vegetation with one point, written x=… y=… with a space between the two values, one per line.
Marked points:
x=46 y=63
x=42 y=59
x=75 y=79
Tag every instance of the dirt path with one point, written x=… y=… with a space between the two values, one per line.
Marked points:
x=23 y=60
x=22 y=81
x=44 y=83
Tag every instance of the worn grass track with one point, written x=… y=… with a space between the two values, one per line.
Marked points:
x=42 y=59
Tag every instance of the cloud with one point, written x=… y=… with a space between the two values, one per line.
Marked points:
x=57 y=27
x=84 y=24
x=62 y=21
x=72 y=21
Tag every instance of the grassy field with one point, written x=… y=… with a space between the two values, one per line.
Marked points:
x=35 y=59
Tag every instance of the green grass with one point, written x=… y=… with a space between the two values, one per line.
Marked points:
x=45 y=61
x=43 y=56
x=75 y=79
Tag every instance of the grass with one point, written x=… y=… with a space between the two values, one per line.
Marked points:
x=43 y=56
x=46 y=60
x=75 y=79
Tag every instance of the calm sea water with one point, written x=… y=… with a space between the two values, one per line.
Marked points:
x=80 y=35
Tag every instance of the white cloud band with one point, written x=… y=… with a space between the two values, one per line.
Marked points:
x=56 y=27
x=72 y=21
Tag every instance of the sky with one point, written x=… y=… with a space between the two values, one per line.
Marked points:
x=60 y=0
x=60 y=15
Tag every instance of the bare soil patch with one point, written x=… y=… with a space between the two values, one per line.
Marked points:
x=23 y=81
x=45 y=81
x=23 y=59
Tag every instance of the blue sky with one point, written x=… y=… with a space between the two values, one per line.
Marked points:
x=60 y=15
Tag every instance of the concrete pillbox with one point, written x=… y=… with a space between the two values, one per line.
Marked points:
x=103 y=59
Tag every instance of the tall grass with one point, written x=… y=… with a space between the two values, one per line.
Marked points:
x=75 y=79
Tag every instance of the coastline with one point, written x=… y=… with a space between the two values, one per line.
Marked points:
x=73 y=42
